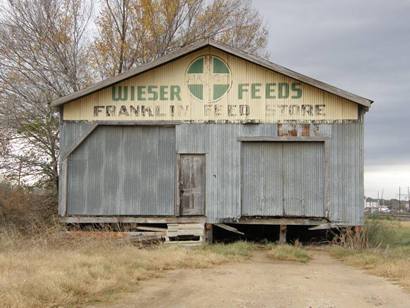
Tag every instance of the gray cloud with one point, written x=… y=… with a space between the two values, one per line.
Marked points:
x=360 y=46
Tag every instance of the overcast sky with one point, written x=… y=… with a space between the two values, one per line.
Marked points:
x=362 y=47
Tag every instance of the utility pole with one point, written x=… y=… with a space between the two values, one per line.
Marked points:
x=378 y=198
x=399 y=198
x=408 y=197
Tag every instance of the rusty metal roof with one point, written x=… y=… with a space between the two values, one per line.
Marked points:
x=228 y=49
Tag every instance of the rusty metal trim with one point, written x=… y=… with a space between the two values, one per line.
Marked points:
x=138 y=123
x=283 y=139
x=277 y=220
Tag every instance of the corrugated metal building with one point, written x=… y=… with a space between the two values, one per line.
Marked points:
x=210 y=134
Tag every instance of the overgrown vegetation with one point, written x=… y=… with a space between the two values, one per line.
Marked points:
x=25 y=210
x=385 y=250
x=53 y=270
x=376 y=233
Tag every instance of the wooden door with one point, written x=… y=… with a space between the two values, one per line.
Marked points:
x=191 y=184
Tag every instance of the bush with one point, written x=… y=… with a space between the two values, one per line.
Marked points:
x=385 y=233
x=25 y=210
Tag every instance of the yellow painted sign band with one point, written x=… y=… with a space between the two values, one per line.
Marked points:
x=209 y=85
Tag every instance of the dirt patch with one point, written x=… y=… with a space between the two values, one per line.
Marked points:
x=261 y=282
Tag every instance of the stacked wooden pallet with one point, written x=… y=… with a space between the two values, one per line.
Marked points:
x=186 y=234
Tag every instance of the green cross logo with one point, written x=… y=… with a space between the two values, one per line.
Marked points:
x=208 y=78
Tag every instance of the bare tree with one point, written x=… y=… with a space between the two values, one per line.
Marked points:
x=133 y=32
x=42 y=57
x=45 y=53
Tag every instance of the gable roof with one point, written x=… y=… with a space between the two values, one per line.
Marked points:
x=230 y=50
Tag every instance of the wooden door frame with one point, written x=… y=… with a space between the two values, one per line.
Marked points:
x=177 y=205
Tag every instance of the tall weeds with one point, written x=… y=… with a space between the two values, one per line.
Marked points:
x=375 y=233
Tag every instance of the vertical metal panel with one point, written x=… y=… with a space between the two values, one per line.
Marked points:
x=70 y=133
x=223 y=175
x=283 y=179
x=123 y=171
x=346 y=170
x=303 y=177
x=262 y=179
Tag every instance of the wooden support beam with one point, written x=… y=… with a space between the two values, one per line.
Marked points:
x=277 y=221
x=282 y=234
x=155 y=229
x=131 y=219
x=209 y=233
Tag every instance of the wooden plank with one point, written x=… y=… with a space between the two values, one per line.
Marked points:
x=187 y=229
x=186 y=226
x=282 y=234
x=329 y=226
x=184 y=243
x=209 y=234
x=278 y=221
x=130 y=219
x=64 y=185
x=229 y=228
x=144 y=228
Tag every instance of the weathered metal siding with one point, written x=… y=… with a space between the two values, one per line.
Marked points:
x=70 y=134
x=223 y=187
x=303 y=177
x=189 y=108
x=223 y=168
x=289 y=182
x=223 y=175
x=346 y=173
x=262 y=183
x=120 y=170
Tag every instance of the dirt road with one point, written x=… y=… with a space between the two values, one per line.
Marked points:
x=260 y=282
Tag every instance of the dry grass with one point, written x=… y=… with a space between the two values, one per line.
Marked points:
x=392 y=263
x=51 y=271
x=288 y=253
x=389 y=252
